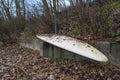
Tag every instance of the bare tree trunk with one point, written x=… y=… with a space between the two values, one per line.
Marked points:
x=55 y=14
x=81 y=9
x=24 y=10
x=87 y=6
x=71 y=3
x=18 y=11
x=46 y=10
x=77 y=2
x=6 y=9
x=55 y=5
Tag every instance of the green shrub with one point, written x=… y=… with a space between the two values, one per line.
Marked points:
x=76 y=31
x=113 y=34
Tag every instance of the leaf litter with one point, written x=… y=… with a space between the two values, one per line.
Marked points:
x=20 y=63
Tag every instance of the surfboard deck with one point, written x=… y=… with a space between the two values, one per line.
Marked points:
x=74 y=45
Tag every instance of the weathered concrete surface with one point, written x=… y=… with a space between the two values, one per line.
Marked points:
x=111 y=50
x=103 y=46
x=1 y=43
x=115 y=54
x=30 y=43
x=46 y=49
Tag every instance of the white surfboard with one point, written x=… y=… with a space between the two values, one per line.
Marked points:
x=73 y=45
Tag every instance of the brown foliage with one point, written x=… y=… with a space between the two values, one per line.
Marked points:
x=11 y=29
x=86 y=19
x=21 y=63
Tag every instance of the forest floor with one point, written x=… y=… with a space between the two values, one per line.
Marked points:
x=19 y=63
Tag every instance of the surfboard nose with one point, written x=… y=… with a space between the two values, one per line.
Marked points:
x=102 y=58
x=105 y=59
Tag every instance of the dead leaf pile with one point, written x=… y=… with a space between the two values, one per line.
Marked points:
x=19 y=63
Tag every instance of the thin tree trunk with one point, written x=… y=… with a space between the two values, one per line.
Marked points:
x=7 y=10
x=77 y=2
x=46 y=10
x=18 y=12
x=71 y=3
x=55 y=16
x=24 y=10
